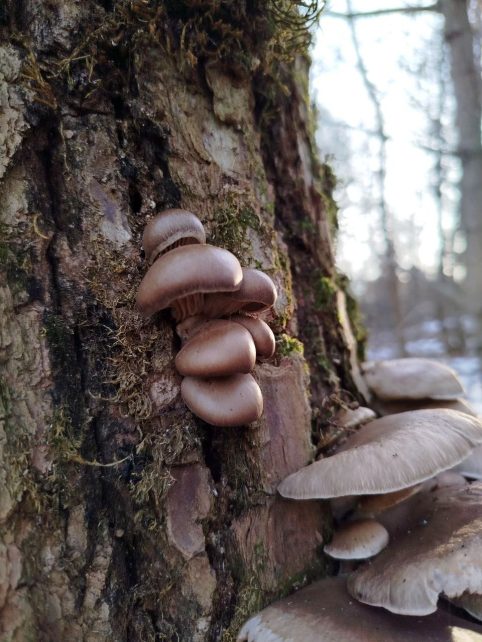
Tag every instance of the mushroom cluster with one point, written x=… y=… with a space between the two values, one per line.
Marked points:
x=401 y=503
x=216 y=304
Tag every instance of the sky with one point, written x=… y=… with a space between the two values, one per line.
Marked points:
x=402 y=55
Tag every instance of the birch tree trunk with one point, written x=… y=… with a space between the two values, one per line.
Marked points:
x=122 y=517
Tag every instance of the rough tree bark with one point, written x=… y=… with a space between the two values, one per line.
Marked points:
x=122 y=517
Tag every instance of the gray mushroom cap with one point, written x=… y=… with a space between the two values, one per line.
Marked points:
x=185 y=272
x=351 y=418
x=218 y=349
x=411 y=378
x=440 y=554
x=224 y=401
x=324 y=612
x=389 y=454
x=357 y=540
x=170 y=229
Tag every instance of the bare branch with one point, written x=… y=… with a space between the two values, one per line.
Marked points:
x=382 y=12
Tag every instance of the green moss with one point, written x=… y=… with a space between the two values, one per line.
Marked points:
x=286 y=345
x=355 y=317
x=231 y=224
x=324 y=290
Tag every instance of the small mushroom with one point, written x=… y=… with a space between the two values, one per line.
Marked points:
x=324 y=612
x=262 y=334
x=168 y=230
x=256 y=294
x=224 y=401
x=358 y=540
x=441 y=553
x=218 y=349
x=180 y=278
x=411 y=378
x=349 y=418
x=389 y=454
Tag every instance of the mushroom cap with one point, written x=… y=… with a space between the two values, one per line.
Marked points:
x=257 y=293
x=389 y=454
x=168 y=228
x=441 y=553
x=472 y=466
x=324 y=612
x=218 y=349
x=262 y=334
x=226 y=401
x=357 y=540
x=349 y=418
x=411 y=378
x=184 y=271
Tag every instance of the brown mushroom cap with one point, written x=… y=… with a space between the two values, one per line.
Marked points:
x=218 y=349
x=185 y=271
x=262 y=334
x=257 y=293
x=411 y=378
x=169 y=229
x=226 y=401
x=324 y=612
x=389 y=454
x=441 y=553
x=357 y=540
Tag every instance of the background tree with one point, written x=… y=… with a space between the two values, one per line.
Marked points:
x=122 y=517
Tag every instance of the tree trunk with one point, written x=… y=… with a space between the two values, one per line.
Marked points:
x=122 y=516
x=466 y=80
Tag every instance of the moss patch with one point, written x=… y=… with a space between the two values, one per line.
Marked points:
x=230 y=227
x=286 y=346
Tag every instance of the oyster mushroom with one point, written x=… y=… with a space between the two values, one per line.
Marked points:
x=180 y=278
x=224 y=401
x=262 y=334
x=324 y=612
x=220 y=348
x=411 y=378
x=256 y=294
x=441 y=553
x=357 y=540
x=389 y=454
x=170 y=229
x=349 y=418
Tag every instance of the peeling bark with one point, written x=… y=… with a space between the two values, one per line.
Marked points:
x=102 y=464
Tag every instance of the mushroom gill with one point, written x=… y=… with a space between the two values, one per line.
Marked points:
x=439 y=553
